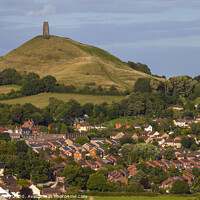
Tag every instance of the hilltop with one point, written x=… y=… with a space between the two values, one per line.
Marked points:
x=71 y=63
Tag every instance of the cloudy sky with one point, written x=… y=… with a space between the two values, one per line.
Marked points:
x=164 y=34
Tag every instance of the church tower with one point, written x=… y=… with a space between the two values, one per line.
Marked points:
x=46 y=28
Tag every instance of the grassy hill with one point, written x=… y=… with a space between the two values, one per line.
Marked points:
x=42 y=100
x=71 y=63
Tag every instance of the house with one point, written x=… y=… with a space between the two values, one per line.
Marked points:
x=160 y=141
x=151 y=163
x=97 y=153
x=77 y=147
x=69 y=153
x=4 y=193
x=94 y=140
x=29 y=124
x=36 y=191
x=79 y=155
x=126 y=125
x=100 y=163
x=177 y=164
x=119 y=175
x=98 y=127
x=180 y=155
x=160 y=163
x=5 y=130
x=23 y=132
x=176 y=107
x=55 y=145
x=190 y=177
x=50 y=192
x=110 y=160
x=169 y=142
x=180 y=123
x=113 y=142
x=7 y=180
x=132 y=170
x=81 y=163
x=1 y=169
x=117 y=135
x=163 y=135
x=177 y=143
x=148 y=128
x=196 y=161
x=14 y=190
x=69 y=142
x=93 y=165
x=168 y=183
x=83 y=127
x=88 y=146
x=186 y=163
x=60 y=178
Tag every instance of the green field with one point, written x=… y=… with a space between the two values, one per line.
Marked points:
x=42 y=100
x=7 y=88
x=143 y=198
x=129 y=120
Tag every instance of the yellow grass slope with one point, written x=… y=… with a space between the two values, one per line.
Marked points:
x=71 y=63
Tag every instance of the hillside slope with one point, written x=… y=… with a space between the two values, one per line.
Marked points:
x=71 y=63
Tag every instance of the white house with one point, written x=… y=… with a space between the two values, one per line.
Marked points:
x=148 y=128
x=4 y=193
x=36 y=191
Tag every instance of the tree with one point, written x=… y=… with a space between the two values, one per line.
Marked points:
x=88 y=108
x=183 y=85
x=10 y=76
x=169 y=153
x=49 y=83
x=81 y=140
x=145 y=151
x=187 y=142
x=16 y=114
x=139 y=67
x=97 y=182
x=180 y=187
x=31 y=76
x=125 y=149
x=32 y=87
x=26 y=193
x=126 y=140
x=104 y=171
x=142 y=85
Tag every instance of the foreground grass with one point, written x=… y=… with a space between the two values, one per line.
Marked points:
x=144 y=198
x=42 y=100
x=7 y=88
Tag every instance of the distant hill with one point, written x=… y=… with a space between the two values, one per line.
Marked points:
x=71 y=63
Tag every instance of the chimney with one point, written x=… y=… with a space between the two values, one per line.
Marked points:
x=35 y=136
x=46 y=28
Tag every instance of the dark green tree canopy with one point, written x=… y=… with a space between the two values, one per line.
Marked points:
x=139 y=67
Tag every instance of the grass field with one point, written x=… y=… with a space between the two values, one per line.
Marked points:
x=7 y=88
x=42 y=100
x=144 y=198
x=129 y=120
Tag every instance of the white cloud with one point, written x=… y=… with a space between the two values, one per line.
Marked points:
x=47 y=9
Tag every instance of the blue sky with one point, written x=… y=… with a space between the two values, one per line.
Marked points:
x=164 y=34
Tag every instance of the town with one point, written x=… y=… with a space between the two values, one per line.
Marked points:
x=134 y=157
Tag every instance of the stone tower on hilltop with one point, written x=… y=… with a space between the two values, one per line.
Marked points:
x=46 y=28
